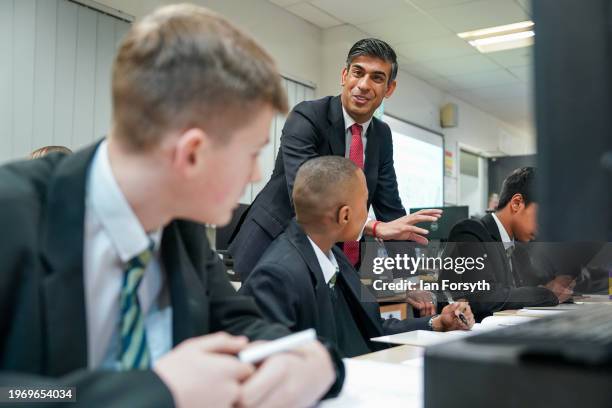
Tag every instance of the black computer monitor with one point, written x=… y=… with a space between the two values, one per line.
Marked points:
x=573 y=84
x=440 y=230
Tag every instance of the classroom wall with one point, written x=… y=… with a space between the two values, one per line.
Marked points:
x=307 y=53
x=419 y=102
x=55 y=62
x=293 y=42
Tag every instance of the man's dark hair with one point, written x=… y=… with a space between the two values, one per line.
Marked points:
x=373 y=47
x=520 y=181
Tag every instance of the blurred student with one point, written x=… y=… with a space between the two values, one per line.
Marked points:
x=492 y=203
x=506 y=266
x=43 y=151
x=107 y=282
x=304 y=280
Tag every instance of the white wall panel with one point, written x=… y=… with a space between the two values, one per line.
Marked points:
x=43 y=118
x=296 y=93
x=24 y=17
x=55 y=63
x=6 y=79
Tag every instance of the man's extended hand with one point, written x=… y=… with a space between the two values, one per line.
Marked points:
x=423 y=301
x=403 y=228
x=562 y=286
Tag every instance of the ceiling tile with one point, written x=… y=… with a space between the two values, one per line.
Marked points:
x=356 y=12
x=404 y=61
x=469 y=97
x=443 y=84
x=432 y=4
x=405 y=29
x=479 y=14
x=525 y=5
x=507 y=91
x=483 y=79
x=285 y=3
x=314 y=15
x=518 y=57
x=524 y=73
x=420 y=71
x=461 y=65
x=440 y=48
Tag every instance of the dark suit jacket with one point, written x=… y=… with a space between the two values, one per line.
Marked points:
x=313 y=128
x=43 y=332
x=289 y=288
x=481 y=238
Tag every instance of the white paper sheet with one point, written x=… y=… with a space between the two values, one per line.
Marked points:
x=422 y=338
x=370 y=384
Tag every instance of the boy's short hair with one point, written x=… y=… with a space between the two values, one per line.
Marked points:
x=520 y=181
x=184 y=66
x=322 y=185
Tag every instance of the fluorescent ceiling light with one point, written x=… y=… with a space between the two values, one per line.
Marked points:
x=501 y=38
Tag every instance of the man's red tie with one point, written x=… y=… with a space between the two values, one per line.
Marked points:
x=351 y=248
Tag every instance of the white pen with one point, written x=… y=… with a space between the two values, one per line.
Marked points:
x=256 y=354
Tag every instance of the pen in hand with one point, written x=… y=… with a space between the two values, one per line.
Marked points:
x=461 y=316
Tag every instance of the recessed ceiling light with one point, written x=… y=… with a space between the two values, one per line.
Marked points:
x=501 y=38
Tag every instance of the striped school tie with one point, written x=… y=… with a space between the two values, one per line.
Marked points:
x=134 y=353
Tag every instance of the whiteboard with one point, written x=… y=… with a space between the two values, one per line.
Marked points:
x=418 y=157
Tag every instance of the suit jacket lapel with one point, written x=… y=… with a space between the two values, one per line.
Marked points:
x=187 y=292
x=62 y=256
x=336 y=132
x=370 y=166
x=324 y=308
x=361 y=296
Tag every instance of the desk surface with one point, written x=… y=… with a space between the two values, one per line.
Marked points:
x=395 y=355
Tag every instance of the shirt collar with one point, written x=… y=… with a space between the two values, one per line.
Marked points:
x=349 y=121
x=508 y=242
x=109 y=204
x=328 y=263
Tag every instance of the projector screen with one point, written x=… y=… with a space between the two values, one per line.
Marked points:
x=418 y=156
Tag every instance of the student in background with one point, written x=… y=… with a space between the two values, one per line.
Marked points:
x=43 y=151
x=344 y=126
x=303 y=280
x=108 y=283
x=493 y=203
x=505 y=266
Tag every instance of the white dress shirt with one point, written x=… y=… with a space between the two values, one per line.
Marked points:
x=328 y=263
x=348 y=122
x=508 y=242
x=113 y=236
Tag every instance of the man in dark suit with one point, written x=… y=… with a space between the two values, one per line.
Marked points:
x=305 y=281
x=507 y=267
x=343 y=126
x=107 y=280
